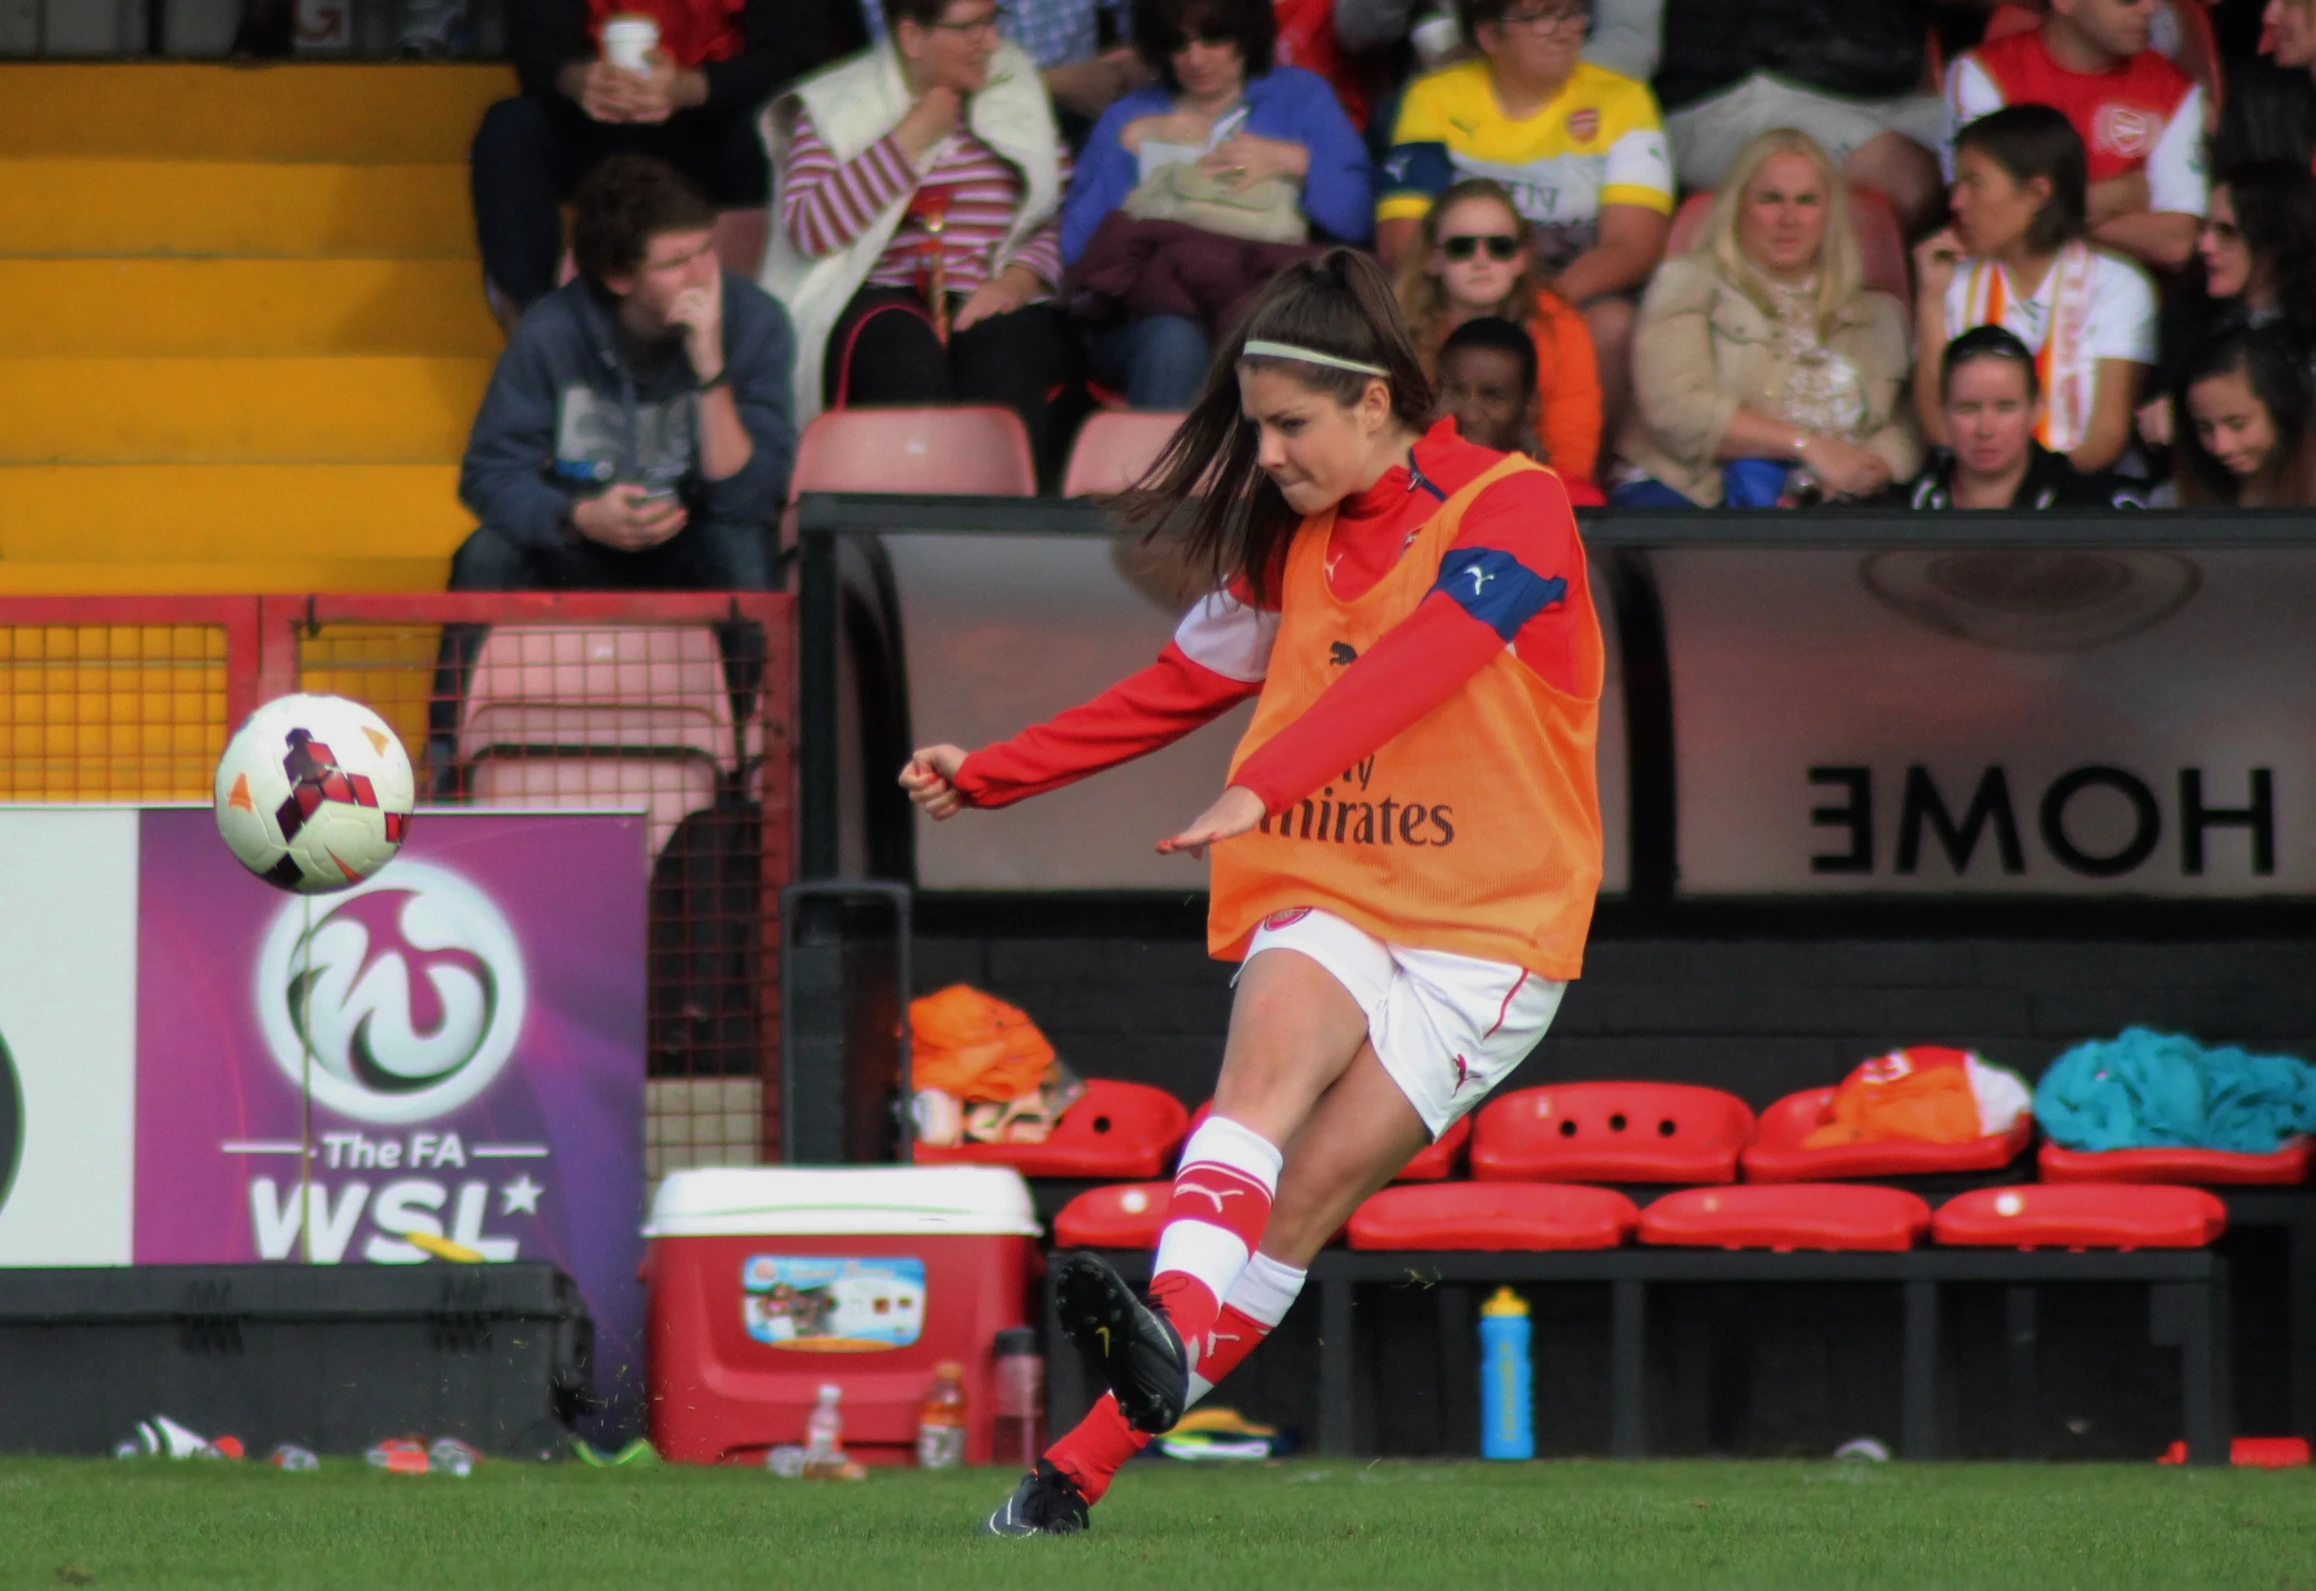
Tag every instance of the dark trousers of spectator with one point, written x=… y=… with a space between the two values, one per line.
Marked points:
x=703 y=556
x=884 y=351
x=531 y=153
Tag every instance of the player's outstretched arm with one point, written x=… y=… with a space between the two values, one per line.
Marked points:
x=930 y=778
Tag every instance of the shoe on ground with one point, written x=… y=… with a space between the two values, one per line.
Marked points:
x=1046 y=1503
x=1138 y=1351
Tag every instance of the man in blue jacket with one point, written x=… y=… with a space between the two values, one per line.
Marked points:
x=637 y=431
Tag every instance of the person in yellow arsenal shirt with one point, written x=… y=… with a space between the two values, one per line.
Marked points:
x=1406 y=850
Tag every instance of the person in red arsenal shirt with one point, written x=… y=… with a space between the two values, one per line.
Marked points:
x=2141 y=119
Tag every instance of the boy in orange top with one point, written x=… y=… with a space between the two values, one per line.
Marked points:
x=1406 y=852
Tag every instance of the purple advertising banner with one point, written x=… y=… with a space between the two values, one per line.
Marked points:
x=470 y=1022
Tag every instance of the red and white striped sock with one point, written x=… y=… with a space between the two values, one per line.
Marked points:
x=1102 y=1442
x=1222 y=1202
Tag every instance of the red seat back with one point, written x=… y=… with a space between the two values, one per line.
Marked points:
x=1611 y=1132
x=1776 y=1154
x=1496 y=1217
x=2089 y=1215
x=976 y=450
x=1817 y=1215
x=2288 y=1165
x=1115 y=1130
x=1113 y=448
x=1122 y=1215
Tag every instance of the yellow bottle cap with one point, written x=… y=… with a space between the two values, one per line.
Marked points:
x=1505 y=1302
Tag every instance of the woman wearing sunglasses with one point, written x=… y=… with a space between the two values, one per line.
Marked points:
x=1763 y=372
x=1476 y=259
x=1224 y=142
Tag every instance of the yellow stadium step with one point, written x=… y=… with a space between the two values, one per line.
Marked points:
x=383 y=113
x=129 y=514
x=193 y=207
x=298 y=576
x=112 y=307
x=348 y=410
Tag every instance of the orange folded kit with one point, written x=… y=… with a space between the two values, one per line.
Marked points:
x=973 y=1046
x=1921 y=1095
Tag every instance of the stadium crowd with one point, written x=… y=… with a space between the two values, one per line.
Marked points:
x=1954 y=255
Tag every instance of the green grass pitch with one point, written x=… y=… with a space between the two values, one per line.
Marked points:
x=1277 y=1527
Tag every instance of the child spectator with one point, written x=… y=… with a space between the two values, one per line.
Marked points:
x=1476 y=260
x=1579 y=148
x=2259 y=237
x=1487 y=384
x=2140 y=118
x=1222 y=126
x=1991 y=397
x=695 y=108
x=636 y=431
x=1847 y=72
x=1763 y=371
x=913 y=240
x=2017 y=255
x=2250 y=440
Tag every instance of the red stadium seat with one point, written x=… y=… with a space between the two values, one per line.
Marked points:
x=2288 y=1165
x=1881 y=244
x=2087 y=1215
x=1435 y=1162
x=637 y=687
x=1611 y=1132
x=1803 y=1216
x=977 y=450
x=1776 y=1154
x=1493 y=1216
x=1116 y=1131
x=1122 y=1215
x=740 y=239
x=1113 y=448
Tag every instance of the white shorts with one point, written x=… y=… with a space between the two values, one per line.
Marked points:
x=1707 y=135
x=1447 y=1028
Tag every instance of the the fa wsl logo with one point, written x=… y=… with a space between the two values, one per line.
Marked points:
x=403 y=1000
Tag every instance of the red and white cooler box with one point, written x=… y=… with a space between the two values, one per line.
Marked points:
x=766 y=1282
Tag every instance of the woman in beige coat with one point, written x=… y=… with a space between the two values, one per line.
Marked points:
x=1764 y=373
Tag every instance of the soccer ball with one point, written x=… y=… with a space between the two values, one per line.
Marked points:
x=314 y=793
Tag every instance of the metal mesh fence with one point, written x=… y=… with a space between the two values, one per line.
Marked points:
x=675 y=707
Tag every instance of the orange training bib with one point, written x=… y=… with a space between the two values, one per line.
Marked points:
x=1475 y=831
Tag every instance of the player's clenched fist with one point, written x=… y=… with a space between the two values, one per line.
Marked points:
x=930 y=780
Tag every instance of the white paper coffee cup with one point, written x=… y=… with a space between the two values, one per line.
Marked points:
x=628 y=42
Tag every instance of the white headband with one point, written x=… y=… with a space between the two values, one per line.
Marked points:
x=1258 y=349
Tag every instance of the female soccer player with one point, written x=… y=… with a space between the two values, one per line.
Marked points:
x=1407 y=849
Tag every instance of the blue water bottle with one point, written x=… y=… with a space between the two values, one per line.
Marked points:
x=1507 y=1426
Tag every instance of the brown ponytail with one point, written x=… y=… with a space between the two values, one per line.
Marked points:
x=1237 y=524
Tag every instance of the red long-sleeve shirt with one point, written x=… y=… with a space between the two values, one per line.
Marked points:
x=1516 y=552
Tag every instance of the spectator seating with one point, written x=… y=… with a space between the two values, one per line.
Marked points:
x=1493 y=1217
x=2288 y=1165
x=1124 y=1215
x=600 y=715
x=1880 y=241
x=1818 y=1215
x=977 y=450
x=1125 y=1131
x=1776 y=1153
x=2079 y=1216
x=1611 y=1132
x=1113 y=448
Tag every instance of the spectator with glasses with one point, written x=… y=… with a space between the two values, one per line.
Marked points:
x=1477 y=261
x=915 y=189
x=2259 y=238
x=1765 y=372
x=1226 y=141
x=1579 y=148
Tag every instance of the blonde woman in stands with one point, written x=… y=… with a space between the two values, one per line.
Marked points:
x=2018 y=255
x=1475 y=258
x=1412 y=608
x=915 y=190
x=1764 y=371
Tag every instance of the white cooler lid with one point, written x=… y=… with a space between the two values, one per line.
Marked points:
x=816 y=1201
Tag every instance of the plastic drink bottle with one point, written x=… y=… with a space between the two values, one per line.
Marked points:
x=824 y=1431
x=1507 y=1423
x=1018 y=1431
x=941 y=1419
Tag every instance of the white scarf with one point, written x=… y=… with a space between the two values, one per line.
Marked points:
x=2068 y=376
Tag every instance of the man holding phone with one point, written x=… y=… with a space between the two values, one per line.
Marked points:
x=638 y=431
